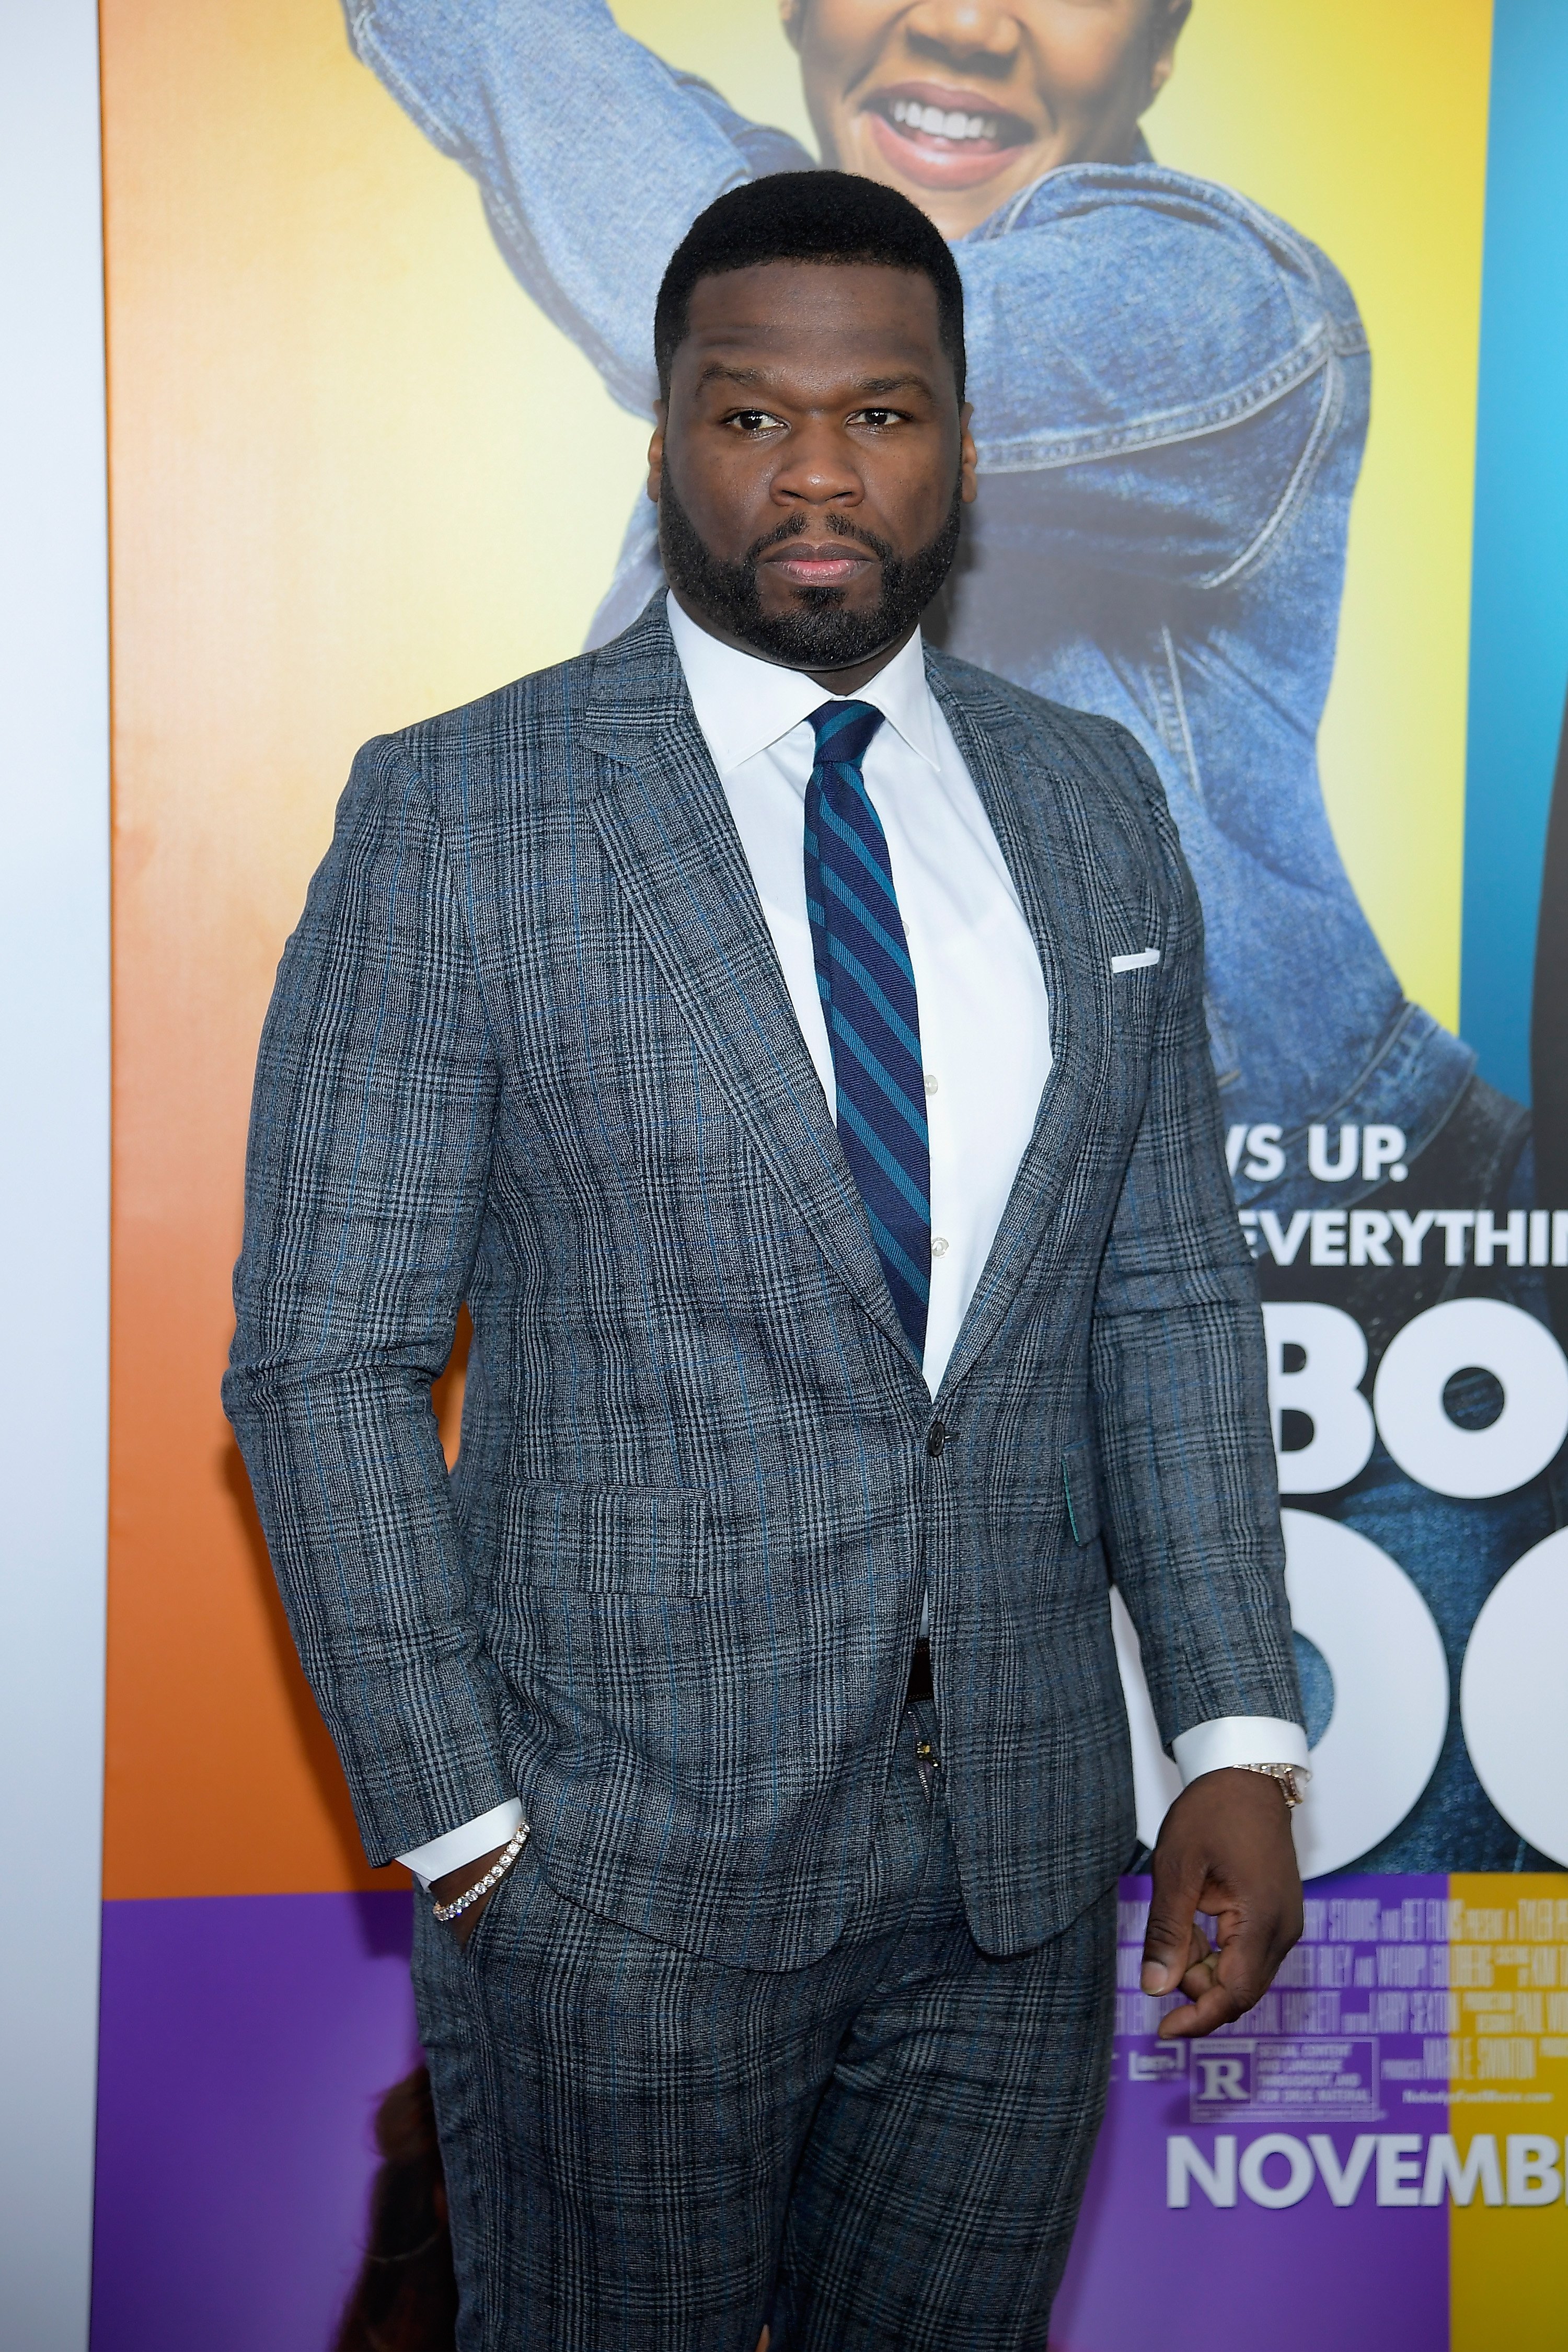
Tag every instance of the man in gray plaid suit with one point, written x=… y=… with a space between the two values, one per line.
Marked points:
x=791 y=1045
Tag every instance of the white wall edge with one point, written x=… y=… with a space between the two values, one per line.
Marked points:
x=54 y=1159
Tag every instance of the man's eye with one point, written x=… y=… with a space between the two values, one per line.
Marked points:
x=753 y=420
x=877 y=418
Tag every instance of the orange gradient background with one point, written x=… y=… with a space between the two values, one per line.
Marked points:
x=357 y=477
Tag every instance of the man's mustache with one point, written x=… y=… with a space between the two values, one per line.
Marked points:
x=796 y=526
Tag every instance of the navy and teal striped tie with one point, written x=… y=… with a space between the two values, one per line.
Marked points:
x=867 y=986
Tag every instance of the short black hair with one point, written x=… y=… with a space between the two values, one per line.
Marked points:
x=829 y=216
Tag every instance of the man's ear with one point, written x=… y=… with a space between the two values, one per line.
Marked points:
x=655 y=451
x=792 y=17
x=968 y=458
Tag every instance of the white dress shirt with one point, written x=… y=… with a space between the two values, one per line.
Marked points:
x=985 y=1036
x=984 y=1019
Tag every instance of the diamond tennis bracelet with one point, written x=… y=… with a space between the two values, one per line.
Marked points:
x=446 y=1912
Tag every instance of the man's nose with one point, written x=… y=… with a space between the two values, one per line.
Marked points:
x=980 y=32
x=819 y=469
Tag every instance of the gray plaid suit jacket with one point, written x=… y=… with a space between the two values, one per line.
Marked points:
x=531 y=1046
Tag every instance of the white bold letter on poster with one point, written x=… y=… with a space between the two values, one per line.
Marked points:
x=1469 y=1334
x=1324 y=1388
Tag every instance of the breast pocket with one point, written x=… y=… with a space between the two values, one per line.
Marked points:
x=654 y=1541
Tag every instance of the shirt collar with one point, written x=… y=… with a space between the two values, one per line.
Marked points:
x=744 y=705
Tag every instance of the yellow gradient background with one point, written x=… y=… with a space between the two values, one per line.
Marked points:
x=357 y=477
x=1508 y=2266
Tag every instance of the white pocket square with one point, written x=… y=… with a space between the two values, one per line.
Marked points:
x=1135 y=963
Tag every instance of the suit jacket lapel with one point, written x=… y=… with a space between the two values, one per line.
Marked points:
x=1047 y=858
x=660 y=811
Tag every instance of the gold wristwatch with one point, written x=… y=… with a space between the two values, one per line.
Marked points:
x=1293 y=1778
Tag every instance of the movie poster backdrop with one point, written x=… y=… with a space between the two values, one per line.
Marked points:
x=1268 y=474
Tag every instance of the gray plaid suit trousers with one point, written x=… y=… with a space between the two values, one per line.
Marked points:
x=647 y=2151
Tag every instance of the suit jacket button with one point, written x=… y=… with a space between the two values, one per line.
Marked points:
x=936 y=1439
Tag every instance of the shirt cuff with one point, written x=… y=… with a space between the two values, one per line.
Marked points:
x=470 y=1839
x=1237 y=1739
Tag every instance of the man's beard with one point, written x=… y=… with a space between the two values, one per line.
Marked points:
x=820 y=632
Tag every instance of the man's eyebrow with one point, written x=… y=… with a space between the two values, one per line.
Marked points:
x=867 y=387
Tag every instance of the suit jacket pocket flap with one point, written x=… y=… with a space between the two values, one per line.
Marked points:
x=1081 y=1482
x=659 y=1541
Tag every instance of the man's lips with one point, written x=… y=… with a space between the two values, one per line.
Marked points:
x=943 y=137
x=830 y=566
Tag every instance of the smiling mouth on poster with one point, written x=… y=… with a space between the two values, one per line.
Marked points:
x=1350 y=1601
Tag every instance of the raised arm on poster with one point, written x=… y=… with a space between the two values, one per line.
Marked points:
x=592 y=155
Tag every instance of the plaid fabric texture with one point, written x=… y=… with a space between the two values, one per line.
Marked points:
x=646 y=2151
x=530 y=1045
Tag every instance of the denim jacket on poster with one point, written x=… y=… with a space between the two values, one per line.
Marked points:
x=1171 y=391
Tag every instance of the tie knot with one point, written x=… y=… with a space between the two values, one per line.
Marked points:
x=843 y=730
